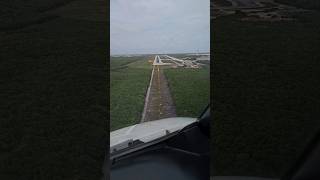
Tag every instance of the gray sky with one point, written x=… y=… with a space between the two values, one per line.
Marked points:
x=159 y=26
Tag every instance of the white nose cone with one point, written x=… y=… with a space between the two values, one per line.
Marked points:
x=147 y=131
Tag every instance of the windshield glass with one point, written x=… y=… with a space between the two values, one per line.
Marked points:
x=159 y=65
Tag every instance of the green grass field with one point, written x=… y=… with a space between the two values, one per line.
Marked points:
x=266 y=91
x=190 y=89
x=129 y=80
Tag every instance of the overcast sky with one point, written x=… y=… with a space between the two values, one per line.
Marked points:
x=159 y=26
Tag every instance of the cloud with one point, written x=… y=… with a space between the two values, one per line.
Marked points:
x=159 y=26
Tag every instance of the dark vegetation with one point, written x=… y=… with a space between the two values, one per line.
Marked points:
x=123 y=62
x=265 y=94
x=308 y=4
x=53 y=108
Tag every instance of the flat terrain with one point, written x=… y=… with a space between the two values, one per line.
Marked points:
x=129 y=80
x=173 y=92
x=53 y=108
x=190 y=90
x=265 y=93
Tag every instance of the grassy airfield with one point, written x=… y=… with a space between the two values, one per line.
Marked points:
x=129 y=80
